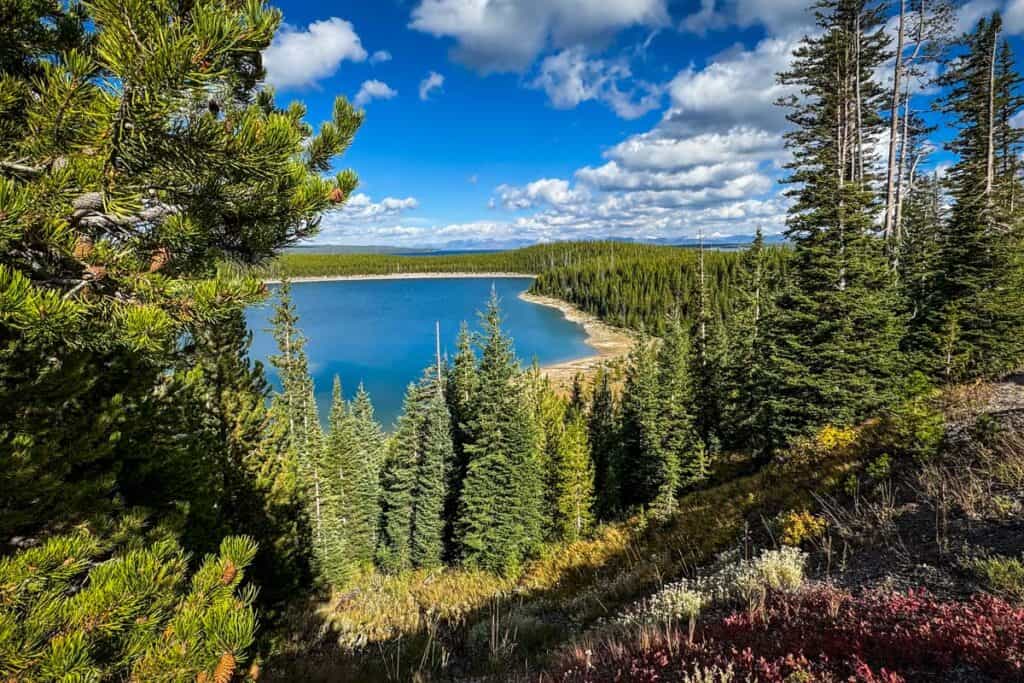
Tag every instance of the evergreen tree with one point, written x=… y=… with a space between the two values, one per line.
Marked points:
x=682 y=450
x=361 y=493
x=398 y=483
x=577 y=396
x=832 y=339
x=248 y=488
x=605 y=435
x=574 y=481
x=645 y=471
x=978 y=330
x=461 y=387
x=500 y=516
x=548 y=414
x=91 y=605
x=294 y=407
x=355 y=509
x=924 y=217
x=126 y=176
x=433 y=473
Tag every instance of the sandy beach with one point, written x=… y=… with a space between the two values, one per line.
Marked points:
x=402 y=276
x=610 y=343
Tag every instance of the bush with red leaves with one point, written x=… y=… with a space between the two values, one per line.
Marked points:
x=825 y=634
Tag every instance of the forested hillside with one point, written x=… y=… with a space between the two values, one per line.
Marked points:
x=629 y=285
x=809 y=468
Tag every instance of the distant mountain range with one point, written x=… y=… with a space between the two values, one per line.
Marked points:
x=506 y=245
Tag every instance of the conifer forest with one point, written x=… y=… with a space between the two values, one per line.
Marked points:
x=809 y=466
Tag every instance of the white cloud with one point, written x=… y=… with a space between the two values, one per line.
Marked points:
x=359 y=213
x=738 y=87
x=780 y=17
x=373 y=90
x=298 y=59
x=611 y=176
x=501 y=35
x=570 y=78
x=546 y=191
x=658 y=150
x=433 y=81
x=380 y=56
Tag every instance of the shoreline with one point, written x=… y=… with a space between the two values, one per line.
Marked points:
x=403 y=276
x=609 y=342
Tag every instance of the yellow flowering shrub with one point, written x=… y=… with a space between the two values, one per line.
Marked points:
x=833 y=439
x=798 y=527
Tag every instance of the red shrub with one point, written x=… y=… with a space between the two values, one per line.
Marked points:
x=829 y=635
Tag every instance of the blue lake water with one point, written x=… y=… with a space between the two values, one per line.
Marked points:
x=381 y=332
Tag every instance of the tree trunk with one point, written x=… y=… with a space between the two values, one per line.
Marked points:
x=990 y=162
x=894 y=122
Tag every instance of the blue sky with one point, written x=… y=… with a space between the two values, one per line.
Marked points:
x=500 y=122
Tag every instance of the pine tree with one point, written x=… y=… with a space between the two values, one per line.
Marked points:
x=436 y=460
x=605 y=436
x=500 y=516
x=246 y=481
x=295 y=408
x=645 y=471
x=461 y=387
x=745 y=372
x=117 y=610
x=363 y=461
x=574 y=481
x=979 y=329
x=924 y=217
x=682 y=458
x=126 y=176
x=548 y=414
x=833 y=337
x=398 y=483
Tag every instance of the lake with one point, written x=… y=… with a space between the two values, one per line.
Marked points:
x=381 y=332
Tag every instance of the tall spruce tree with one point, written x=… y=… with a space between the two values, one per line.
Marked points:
x=432 y=476
x=574 y=481
x=294 y=408
x=605 y=437
x=398 y=482
x=683 y=452
x=645 y=470
x=461 y=387
x=363 y=460
x=832 y=339
x=500 y=516
x=979 y=330
x=415 y=479
x=745 y=372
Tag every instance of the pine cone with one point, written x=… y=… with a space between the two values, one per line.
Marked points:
x=225 y=668
x=96 y=273
x=229 y=573
x=336 y=196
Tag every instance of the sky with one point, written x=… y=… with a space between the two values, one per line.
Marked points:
x=498 y=123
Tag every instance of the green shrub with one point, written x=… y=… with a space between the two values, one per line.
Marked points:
x=998 y=574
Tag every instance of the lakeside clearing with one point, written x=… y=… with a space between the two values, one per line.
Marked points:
x=610 y=343
x=402 y=276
